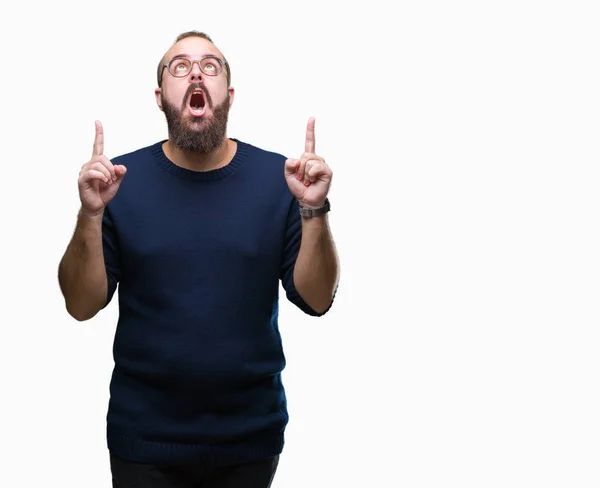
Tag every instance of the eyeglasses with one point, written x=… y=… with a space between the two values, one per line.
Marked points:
x=181 y=67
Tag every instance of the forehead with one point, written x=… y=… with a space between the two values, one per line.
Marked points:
x=193 y=47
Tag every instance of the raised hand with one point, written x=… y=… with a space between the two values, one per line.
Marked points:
x=309 y=177
x=99 y=179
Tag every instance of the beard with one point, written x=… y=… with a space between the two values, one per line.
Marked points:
x=182 y=132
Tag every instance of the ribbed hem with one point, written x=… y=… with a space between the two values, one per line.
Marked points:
x=161 y=453
x=187 y=174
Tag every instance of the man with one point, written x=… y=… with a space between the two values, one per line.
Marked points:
x=198 y=230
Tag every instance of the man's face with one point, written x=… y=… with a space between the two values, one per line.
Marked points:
x=196 y=106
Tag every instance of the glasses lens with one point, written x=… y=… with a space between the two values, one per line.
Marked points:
x=179 y=67
x=210 y=66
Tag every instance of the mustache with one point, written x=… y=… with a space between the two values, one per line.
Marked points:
x=193 y=87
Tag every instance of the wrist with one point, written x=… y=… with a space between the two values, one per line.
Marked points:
x=310 y=211
x=313 y=205
x=90 y=214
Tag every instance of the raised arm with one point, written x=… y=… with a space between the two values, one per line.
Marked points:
x=81 y=272
x=316 y=272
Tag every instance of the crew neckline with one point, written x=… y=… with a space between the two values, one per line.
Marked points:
x=212 y=175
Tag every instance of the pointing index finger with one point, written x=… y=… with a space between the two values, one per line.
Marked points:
x=309 y=147
x=98 y=140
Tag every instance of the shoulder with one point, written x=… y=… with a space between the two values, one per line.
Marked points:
x=138 y=156
x=264 y=163
x=261 y=156
x=268 y=168
x=139 y=176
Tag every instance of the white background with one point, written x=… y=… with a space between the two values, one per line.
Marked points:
x=462 y=349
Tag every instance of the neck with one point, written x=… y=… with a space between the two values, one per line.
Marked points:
x=197 y=161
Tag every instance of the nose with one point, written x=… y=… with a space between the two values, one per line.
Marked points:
x=196 y=72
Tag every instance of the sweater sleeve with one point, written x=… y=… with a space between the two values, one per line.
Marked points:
x=291 y=248
x=110 y=249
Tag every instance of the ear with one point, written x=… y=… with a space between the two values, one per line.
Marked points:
x=157 y=93
x=231 y=95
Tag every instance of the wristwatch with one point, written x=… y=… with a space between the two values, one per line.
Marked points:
x=308 y=213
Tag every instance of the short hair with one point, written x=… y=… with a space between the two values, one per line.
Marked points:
x=193 y=33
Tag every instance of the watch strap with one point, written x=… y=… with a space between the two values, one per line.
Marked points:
x=308 y=213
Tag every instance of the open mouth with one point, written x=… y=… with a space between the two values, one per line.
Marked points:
x=197 y=102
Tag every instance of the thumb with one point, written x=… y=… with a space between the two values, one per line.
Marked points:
x=291 y=165
x=120 y=171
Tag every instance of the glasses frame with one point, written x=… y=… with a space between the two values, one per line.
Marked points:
x=192 y=61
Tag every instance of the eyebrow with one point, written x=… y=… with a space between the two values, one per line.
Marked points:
x=188 y=57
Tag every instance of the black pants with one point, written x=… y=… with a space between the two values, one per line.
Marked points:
x=257 y=474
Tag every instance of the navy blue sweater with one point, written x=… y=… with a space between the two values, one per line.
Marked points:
x=198 y=356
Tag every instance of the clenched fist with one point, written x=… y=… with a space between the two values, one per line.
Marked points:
x=99 y=179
